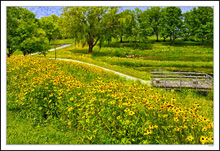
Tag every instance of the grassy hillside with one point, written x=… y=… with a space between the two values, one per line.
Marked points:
x=152 y=56
x=58 y=102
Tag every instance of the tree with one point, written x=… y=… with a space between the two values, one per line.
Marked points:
x=134 y=31
x=50 y=26
x=23 y=32
x=199 y=23
x=171 y=22
x=153 y=16
x=38 y=42
x=90 y=22
x=145 y=30
x=124 y=28
x=15 y=17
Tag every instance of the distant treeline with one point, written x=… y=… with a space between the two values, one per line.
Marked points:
x=92 y=25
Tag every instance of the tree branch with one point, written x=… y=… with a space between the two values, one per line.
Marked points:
x=96 y=41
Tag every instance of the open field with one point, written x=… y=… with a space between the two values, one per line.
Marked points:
x=58 y=102
x=161 y=56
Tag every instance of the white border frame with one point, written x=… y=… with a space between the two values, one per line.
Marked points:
x=4 y=4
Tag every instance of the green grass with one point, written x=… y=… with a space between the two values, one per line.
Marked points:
x=159 y=56
x=52 y=46
x=21 y=131
x=59 y=102
x=62 y=41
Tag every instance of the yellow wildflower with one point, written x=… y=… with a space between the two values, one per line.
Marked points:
x=190 y=138
x=155 y=126
x=70 y=109
x=176 y=129
x=176 y=119
x=131 y=113
x=204 y=129
x=202 y=139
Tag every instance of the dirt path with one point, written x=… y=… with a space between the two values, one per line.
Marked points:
x=118 y=73
x=65 y=45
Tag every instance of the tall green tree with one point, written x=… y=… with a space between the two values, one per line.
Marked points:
x=171 y=22
x=125 y=24
x=145 y=29
x=199 y=23
x=23 y=32
x=90 y=22
x=50 y=26
x=16 y=16
x=153 y=16
x=134 y=31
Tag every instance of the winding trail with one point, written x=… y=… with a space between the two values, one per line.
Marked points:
x=65 y=45
x=118 y=73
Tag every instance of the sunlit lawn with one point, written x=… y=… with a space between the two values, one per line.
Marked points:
x=159 y=56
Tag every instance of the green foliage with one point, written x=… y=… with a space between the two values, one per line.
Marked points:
x=145 y=29
x=151 y=18
x=199 y=23
x=171 y=22
x=50 y=26
x=17 y=17
x=24 y=35
x=88 y=24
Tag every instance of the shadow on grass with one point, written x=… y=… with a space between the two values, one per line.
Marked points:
x=79 y=50
x=181 y=43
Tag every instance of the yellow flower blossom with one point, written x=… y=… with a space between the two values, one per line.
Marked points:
x=202 y=139
x=190 y=138
x=70 y=109
x=176 y=129
x=176 y=119
x=131 y=113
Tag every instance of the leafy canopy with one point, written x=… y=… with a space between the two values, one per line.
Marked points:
x=23 y=32
x=199 y=23
x=90 y=23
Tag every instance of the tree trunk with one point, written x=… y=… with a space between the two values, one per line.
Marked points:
x=157 y=36
x=164 y=39
x=202 y=41
x=108 y=41
x=90 y=48
x=173 y=38
x=49 y=40
x=170 y=37
x=135 y=42
x=121 y=39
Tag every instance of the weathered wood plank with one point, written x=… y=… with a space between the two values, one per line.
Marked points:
x=172 y=76
x=197 y=82
x=179 y=73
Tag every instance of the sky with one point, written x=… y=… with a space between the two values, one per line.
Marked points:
x=46 y=11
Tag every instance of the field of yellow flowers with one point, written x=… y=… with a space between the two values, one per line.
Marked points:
x=102 y=108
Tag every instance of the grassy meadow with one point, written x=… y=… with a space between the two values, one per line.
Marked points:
x=153 y=56
x=59 y=102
